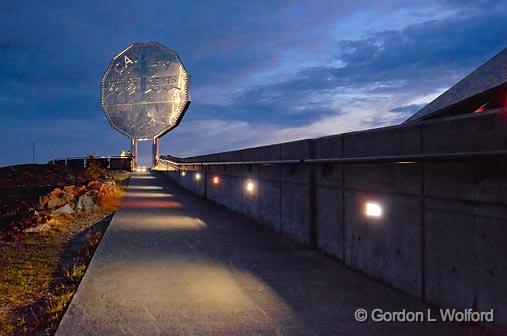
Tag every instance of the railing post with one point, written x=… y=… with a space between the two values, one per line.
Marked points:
x=206 y=182
x=313 y=199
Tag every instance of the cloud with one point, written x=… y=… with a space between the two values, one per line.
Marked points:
x=419 y=58
x=261 y=73
x=412 y=108
x=401 y=65
x=378 y=80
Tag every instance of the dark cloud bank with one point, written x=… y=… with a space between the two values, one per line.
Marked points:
x=53 y=56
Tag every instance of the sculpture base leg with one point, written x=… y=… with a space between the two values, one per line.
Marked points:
x=155 y=152
x=133 y=150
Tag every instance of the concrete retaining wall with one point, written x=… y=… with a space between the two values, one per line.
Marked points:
x=443 y=232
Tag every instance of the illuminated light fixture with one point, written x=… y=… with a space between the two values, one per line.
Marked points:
x=250 y=186
x=482 y=108
x=216 y=180
x=197 y=176
x=373 y=209
x=183 y=173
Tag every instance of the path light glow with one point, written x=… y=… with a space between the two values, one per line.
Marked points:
x=216 y=180
x=373 y=209
x=250 y=186
x=144 y=188
x=197 y=176
x=183 y=173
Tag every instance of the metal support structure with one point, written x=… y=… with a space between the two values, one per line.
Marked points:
x=133 y=150
x=155 y=152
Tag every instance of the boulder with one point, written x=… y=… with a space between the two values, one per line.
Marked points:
x=86 y=202
x=70 y=189
x=95 y=184
x=107 y=189
x=57 y=198
x=53 y=196
x=56 y=202
x=68 y=197
x=65 y=210
x=38 y=229
x=79 y=190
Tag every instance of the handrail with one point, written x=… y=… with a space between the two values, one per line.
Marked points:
x=400 y=159
x=84 y=161
x=85 y=157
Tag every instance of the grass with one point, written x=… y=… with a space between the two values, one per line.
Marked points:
x=39 y=277
x=39 y=273
x=93 y=238
x=26 y=269
x=75 y=272
x=58 y=304
x=26 y=273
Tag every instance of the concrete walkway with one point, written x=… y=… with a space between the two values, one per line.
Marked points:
x=173 y=264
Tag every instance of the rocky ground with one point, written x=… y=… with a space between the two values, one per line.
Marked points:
x=51 y=220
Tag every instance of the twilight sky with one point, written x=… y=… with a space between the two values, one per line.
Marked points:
x=262 y=71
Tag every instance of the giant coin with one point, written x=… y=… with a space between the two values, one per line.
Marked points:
x=145 y=90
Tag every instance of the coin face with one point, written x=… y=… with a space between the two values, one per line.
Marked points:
x=145 y=90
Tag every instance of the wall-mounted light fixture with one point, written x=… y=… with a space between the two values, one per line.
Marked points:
x=183 y=173
x=197 y=176
x=372 y=209
x=216 y=180
x=250 y=186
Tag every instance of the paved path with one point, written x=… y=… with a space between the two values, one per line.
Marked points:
x=173 y=264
